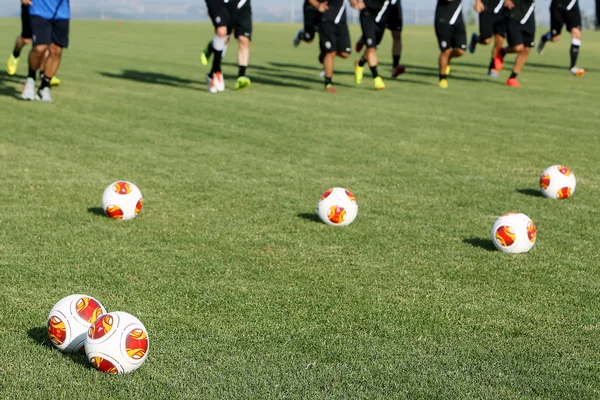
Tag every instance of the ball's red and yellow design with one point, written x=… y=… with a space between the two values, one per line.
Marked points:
x=122 y=188
x=88 y=309
x=114 y=212
x=564 y=170
x=136 y=344
x=101 y=327
x=326 y=194
x=563 y=193
x=545 y=181
x=57 y=330
x=336 y=214
x=505 y=235
x=138 y=206
x=351 y=196
x=104 y=365
x=531 y=231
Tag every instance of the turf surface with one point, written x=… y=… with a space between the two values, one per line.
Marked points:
x=243 y=293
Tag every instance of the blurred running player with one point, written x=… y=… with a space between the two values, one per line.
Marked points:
x=395 y=25
x=334 y=36
x=451 y=35
x=565 y=12
x=23 y=40
x=228 y=16
x=311 y=20
x=50 y=32
x=520 y=32
x=373 y=19
x=491 y=23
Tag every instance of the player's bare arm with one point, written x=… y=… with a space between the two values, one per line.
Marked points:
x=478 y=6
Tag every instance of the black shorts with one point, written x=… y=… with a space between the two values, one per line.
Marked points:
x=451 y=36
x=312 y=16
x=517 y=33
x=46 y=31
x=395 y=22
x=25 y=22
x=491 y=24
x=562 y=16
x=373 y=23
x=237 y=20
x=334 y=37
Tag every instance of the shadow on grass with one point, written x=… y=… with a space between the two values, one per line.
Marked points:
x=151 y=78
x=7 y=87
x=98 y=211
x=40 y=336
x=310 y=217
x=482 y=243
x=530 y=192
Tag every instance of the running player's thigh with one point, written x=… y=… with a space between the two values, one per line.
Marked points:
x=327 y=36
x=218 y=13
x=443 y=32
x=556 y=21
x=243 y=22
x=514 y=33
x=573 y=18
x=528 y=32
x=369 y=28
x=41 y=30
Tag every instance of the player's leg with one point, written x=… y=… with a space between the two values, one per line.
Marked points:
x=443 y=33
x=499 y=30
x=458 y=41
x=485 y=31
x=243 y=32
x=574 y=26
x=22 y=40
x=60 y=41
x=557 y=21
x=328 y=45
x=42 y=34
x=307 y=32
x=516 y=35
x=221 y=21
x=395 y=25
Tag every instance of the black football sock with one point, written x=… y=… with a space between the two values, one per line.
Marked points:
x=374 y=71
x=492 y=65
x=396 y=60
x=513 y=74
x=217 y=61
x=443 y=76
x=575 y=44
x=328 y=81
x=480 y=39
x=16 y=52
x=32 y=73
x=242 y=70
x=45 y=82
x=502 y=52
x=209 y=49
x=362 y=62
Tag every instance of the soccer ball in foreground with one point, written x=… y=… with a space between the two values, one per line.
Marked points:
x=70 y=319
x=557 y=182
x=117 y=343
x=514 y=233
x=122 y=200
x=337 y=207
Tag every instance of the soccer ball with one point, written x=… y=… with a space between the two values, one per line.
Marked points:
x=117 y=343
x=70 y=319
x=557 y=182
x=514 y=233
x=122 y=200
x=337 y=207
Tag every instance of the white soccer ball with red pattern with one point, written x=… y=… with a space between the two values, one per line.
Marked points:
x=558 y=182
x=122 y=200
x=117 y=343
x=70 y=319
x=514 y=233
x=337 y=207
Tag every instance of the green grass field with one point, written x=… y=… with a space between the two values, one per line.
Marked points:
x=243 y=293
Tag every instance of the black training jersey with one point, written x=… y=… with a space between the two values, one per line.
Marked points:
x=336 y=12
x=564 y=4
x=493 y=6
x=522 y=10
x=448 y=11
x=376 y=4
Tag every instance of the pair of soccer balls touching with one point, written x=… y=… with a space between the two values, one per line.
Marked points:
x=115 y=343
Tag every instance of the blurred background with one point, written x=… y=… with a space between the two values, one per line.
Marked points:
x=415 y=11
